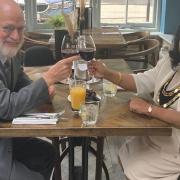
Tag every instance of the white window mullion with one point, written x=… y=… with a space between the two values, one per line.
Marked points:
x=30 y=14
x=96 y=13
x=158 y=14
x=155 y=18
x=126 y=17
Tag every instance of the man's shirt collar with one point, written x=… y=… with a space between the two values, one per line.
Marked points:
x=3 y=59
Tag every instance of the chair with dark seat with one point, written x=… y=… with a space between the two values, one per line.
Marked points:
x=147 y=56
x=38 y=56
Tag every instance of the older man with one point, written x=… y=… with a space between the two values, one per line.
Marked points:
x=23 y=158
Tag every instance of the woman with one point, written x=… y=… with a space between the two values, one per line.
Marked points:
x=149 y=158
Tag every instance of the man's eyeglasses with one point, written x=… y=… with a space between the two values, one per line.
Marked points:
x=8 y=29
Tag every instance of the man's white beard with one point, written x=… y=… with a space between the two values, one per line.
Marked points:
x=9 y=52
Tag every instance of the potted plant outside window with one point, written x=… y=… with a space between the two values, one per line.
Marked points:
x=57 y=22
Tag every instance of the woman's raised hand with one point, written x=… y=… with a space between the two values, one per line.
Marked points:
x=97 y=68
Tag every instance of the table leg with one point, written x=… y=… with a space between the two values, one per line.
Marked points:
x=71 y=158
x=99 y=158
x=85 y=148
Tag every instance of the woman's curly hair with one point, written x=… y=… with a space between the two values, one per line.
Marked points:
x=175 y=52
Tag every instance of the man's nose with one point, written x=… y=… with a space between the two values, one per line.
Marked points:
x=16 y=35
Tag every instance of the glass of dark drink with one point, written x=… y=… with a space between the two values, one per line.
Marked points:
x=87 y=48
x=69 y=47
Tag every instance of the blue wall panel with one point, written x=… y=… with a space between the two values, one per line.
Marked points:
x=170 y=17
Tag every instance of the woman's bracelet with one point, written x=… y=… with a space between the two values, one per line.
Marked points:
x=150 y=108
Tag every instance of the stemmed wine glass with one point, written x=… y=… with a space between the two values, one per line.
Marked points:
x=69 y=46
x=87 y=48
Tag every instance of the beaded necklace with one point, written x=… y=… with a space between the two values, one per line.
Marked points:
x=165 y=97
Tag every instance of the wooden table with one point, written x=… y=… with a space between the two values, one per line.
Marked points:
x=107 y=37
x=114 y=121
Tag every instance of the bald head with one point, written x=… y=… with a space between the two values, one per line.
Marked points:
x=6 y=3
x=10 y=8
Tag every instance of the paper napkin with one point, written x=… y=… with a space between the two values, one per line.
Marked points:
x=35 y=120
x=38 y=118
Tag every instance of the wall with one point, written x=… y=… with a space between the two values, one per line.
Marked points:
x=170 y=17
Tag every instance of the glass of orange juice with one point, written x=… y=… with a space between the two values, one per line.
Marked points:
x=77 y=93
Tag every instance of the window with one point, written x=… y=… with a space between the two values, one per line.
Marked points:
x=129 y=13
x=121 y=13
x=52 y=8
x=37 y=12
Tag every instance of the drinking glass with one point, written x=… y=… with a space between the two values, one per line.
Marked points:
x=87 y=48
x=89 y=112
x=80 y=70
x=109 y=88
x=77 y=93
x=69 y=47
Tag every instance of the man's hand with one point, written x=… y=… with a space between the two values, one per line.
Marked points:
x=52 y=92
x=60 y=71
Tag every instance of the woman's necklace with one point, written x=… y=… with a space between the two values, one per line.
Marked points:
x=166 y=98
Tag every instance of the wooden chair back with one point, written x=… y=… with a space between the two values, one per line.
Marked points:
x=130 y=39
x=149 y=53
x=29 y=42
x=136 y=36
x=38 y=36
x=36 y=39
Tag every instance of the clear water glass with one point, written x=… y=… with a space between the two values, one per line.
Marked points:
x=89 y=112
x=109 y=88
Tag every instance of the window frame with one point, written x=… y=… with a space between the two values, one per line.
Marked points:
x=151 y=26
x=31 y=18
x=33 y=25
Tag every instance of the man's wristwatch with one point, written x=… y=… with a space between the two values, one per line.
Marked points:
x=150 y=109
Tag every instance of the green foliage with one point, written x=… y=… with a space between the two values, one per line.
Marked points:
x=56 y=21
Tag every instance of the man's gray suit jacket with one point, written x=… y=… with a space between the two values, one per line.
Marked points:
x=17 y=96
